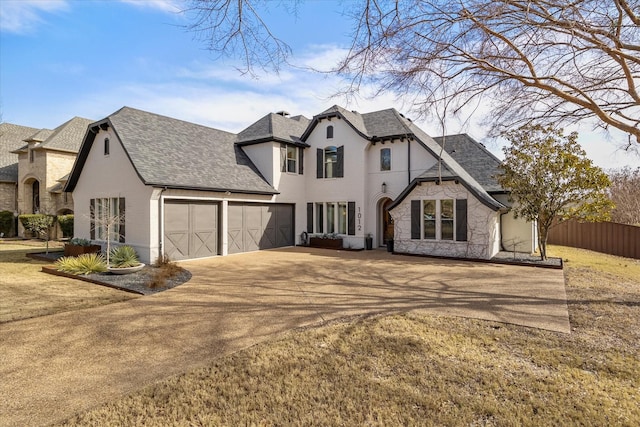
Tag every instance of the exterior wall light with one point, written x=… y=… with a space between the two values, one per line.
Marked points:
x=384 y=187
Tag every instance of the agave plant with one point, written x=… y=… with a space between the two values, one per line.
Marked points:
x=123 y=257
x=83 y=264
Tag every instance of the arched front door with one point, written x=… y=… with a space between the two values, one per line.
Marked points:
x=387 y=221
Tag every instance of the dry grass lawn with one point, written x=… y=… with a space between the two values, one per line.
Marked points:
x=27 y=292
x=424 y=370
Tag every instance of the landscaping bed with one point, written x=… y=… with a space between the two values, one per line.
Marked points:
x=149 y=280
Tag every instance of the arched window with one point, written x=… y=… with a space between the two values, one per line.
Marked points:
x=329 y=132
x=35 y=196
x=106 y=146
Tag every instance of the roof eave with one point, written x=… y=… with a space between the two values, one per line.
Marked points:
x=492 y=204
x=213 y=189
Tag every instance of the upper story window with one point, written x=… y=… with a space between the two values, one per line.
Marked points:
x=106 y=146
x=32 y=155
x=291 y=159
x=329 y=132
x=385 y=159
x=292 y=154
x=330 y=162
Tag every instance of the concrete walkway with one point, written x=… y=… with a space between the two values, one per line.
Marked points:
x=54 y=366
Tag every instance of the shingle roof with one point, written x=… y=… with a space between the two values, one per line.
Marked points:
x=385 y=123
x=167 y=152
x=275 y=127
x=11 y=138
x=474 y=158
x=68 y=136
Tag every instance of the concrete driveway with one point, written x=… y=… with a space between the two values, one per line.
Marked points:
x=54 y=366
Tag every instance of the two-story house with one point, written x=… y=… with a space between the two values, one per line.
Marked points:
x=44 y=162
x=11 y=138
x=191 y=191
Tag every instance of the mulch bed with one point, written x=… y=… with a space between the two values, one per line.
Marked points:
x=137 y=283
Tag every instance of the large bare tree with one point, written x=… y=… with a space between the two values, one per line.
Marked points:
x=544 y=61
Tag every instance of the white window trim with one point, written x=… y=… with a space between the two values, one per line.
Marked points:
x=438 y=219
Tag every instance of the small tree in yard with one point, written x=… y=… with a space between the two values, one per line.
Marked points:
x=107 y=224
x=40 y=224
x=550 y=177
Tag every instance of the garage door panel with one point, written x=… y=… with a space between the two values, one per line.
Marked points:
x=258 y=226
x=284 y=235
x=190 y=229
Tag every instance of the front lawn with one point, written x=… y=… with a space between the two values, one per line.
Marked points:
x=27 y=292
x=416 y=369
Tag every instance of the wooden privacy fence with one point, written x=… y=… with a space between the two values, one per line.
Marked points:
x=607 y=237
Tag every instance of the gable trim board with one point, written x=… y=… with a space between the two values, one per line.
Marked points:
x=185 y=164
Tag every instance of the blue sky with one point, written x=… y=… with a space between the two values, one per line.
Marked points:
x=60 y=59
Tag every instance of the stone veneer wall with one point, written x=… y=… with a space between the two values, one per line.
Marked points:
x=7 y=196
x=483 y=229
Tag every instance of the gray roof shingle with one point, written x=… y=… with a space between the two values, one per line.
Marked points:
x=274 y=127
x=11 y=138
x=68 y=136
x=474 y=158
x=178 y=154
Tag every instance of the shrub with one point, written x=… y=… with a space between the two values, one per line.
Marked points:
x=124 y=256
x=6 y=223
x=37 y=223
x=83 y=264
x=66 y=224
x=77 y=241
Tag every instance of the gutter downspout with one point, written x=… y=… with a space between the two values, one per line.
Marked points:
x=161 y=224
x=408 y=160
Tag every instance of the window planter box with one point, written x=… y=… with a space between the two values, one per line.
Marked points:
x=75 y=250
x=317 y=242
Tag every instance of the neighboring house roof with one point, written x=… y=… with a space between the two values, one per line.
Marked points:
x=66 y=137
x=475 y=159
x=275 y=127
x=167 y=152
x=11 y=138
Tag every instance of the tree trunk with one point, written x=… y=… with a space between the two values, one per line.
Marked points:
x=543 y=235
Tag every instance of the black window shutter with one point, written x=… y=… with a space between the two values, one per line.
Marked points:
x=300 y=160
x=121 y=213
x=340 y=162
x=320 y=163
x=320 y=214
x=351 y=217
x=415 y=219
x=92 y=220
x=461 y=220
x=309 y=217
x=283 y=157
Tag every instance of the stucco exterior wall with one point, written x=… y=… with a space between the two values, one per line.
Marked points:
x=518 y=234
x=114 y=176
x=351 y=188
x=483 y=230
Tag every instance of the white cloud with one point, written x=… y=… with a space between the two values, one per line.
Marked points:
x=170 y=6
x=22 y=16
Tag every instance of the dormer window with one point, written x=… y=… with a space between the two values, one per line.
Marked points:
x=329 y=132
x=106 y=146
